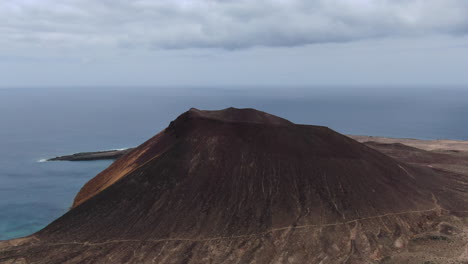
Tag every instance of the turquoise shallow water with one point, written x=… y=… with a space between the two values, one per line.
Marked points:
x=44 y=122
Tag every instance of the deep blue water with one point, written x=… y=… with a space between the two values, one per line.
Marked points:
x=45 y=122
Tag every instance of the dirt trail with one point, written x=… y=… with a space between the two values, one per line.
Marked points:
x=437 y=208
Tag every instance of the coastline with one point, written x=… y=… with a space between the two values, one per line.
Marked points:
x=96 y=155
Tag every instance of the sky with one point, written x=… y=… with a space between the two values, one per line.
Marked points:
x=233 y=43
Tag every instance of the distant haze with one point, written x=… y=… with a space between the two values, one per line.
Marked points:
x=240 y=43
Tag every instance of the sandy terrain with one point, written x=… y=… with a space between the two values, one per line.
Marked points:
x=439 y=144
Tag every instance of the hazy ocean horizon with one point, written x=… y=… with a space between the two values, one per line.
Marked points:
x=40 y=123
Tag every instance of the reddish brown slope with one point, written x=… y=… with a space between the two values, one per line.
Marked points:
x=157 y=145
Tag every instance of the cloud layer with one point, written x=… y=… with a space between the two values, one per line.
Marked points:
x=225 y=24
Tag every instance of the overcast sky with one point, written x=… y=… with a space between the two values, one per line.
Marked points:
x=233 y=42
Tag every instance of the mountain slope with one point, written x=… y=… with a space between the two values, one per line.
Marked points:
x=241 y=186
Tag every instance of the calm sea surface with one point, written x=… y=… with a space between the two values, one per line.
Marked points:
x=41 y=123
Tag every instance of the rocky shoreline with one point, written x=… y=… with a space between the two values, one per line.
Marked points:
x=98 y=155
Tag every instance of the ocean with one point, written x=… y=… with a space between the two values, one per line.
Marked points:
x=40 y=123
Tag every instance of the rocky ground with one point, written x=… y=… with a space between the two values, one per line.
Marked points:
x=97 y=155
x=448 y=244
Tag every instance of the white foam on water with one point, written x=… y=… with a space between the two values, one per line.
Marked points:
x=119 y=149
x=42 y=160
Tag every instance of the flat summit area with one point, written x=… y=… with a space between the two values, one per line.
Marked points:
x=244 y=186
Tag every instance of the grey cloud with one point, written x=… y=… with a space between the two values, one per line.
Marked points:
x=224 y=24
x=30 y=59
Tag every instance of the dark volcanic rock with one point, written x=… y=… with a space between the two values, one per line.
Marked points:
x=243 y=186
x=97 y=155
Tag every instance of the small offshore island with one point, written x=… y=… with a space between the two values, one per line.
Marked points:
x=97 y=155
